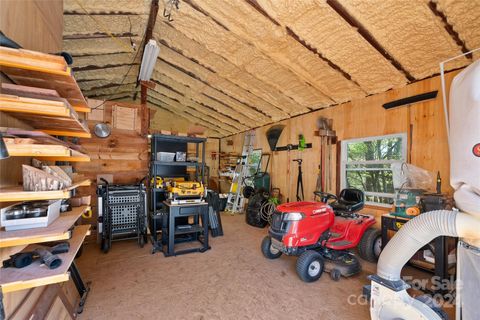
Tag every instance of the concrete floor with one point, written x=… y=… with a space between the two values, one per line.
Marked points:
x=231 y=281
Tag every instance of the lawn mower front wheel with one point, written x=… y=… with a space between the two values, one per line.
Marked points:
x=310 y=266
x=268 y=250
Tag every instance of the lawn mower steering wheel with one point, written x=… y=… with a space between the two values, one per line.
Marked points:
x=325 y=196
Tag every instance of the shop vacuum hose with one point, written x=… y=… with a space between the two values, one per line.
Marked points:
x=419 y=231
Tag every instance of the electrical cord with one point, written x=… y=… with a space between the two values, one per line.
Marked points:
x=114 y=38
x=266 y=211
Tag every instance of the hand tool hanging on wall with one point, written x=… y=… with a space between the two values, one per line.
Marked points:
x=273 y=134
x=327 y=138
x=299 y=180
x=302 y=145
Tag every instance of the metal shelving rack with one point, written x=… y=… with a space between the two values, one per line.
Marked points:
x=167 y=143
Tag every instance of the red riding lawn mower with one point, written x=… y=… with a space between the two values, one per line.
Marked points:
x=321 y=234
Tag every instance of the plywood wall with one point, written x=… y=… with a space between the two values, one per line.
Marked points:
x=357 y=119
x=33 y=24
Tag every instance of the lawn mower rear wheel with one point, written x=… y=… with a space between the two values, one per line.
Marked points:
x=370 y=246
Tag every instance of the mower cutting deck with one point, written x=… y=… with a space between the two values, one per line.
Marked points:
x=321 y=235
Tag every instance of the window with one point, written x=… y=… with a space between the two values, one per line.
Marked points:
x=366 y=165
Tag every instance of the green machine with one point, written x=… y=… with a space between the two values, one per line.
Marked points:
x=407 y=202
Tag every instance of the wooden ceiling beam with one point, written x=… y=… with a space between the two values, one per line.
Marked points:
x=250 y=26
x=337 y=6
x=98 y=35
x=449 y=28
x=412 y=35
x=177 y=103
x=108 y=66
x=192 y=49
x=365 y=65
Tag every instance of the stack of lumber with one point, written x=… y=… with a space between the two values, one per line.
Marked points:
x=43 y=109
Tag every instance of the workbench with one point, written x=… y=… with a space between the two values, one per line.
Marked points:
x=197 y=232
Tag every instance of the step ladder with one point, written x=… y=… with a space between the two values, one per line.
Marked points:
x=236 y=200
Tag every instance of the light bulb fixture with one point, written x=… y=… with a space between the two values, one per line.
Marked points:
x=150 y=54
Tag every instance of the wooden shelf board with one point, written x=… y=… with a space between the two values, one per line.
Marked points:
x=36 y=274
x=42 y=70
x=57 y=230
x=37 y=150
x=16 y=104
x=12 y=194
x=42 y=108
x=64 y=133
x=47 y=152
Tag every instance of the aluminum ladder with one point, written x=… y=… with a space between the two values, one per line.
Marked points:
x=236 y=200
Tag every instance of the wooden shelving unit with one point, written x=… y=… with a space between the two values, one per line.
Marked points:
x=36 y=274
x=40 y=70
x=45 y=96
x=13 y=194
x=58 y=230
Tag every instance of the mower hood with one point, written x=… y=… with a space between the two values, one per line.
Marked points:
x=302 y=206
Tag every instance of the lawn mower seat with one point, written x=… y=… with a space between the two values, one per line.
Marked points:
x=349 y=201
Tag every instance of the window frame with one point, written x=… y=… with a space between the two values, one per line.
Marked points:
x=344 y=162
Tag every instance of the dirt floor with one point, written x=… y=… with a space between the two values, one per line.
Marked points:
x=231 y=281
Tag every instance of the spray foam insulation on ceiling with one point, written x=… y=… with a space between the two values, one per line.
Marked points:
x=201 y=92
x=323 y=29
x=107 y=6
x=78 y=25
x=247 y=23
x=410 y=32
x=464 y=16
x=174 y=90
x=215 y=38
x=188 y=113
x=226 y=69
x=110 y=74
x=199 y=116
x=113 y=59
x=90 y=84
x=127 y=88
x=93 y=46
x=220 y=83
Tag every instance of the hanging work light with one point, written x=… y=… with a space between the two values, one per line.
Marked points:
x=150 y=54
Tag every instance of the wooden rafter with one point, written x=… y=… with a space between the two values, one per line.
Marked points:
x=337 y=6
